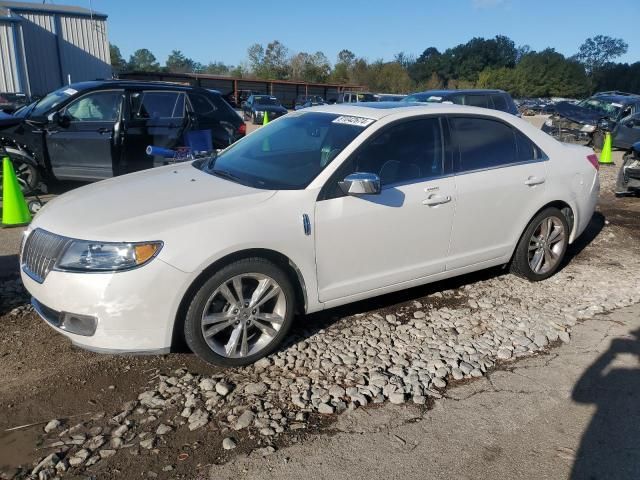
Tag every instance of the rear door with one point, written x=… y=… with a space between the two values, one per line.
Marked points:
x=500 y=182
x=155 y=117
x=85 y=148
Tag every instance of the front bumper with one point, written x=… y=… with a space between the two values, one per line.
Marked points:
x=134 y=311
x=628 y=176
x=568 y=132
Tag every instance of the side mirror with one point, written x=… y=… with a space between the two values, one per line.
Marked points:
x=361 y=184
x=59 y=119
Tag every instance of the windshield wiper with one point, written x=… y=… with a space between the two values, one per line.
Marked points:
x=227 y=175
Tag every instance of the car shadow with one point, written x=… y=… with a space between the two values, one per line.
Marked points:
x=306 y=326
x=610 y=446
x=9 y=266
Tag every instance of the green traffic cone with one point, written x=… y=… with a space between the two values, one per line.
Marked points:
x=15 y=211
x=265 y=118
x=605 y=155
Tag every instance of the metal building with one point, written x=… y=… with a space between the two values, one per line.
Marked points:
x=43 y=46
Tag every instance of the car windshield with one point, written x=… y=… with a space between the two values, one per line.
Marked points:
x=52 y=100
x=266 y=101
x=610 y=109
x=422 y=97
x=288 y=153
x=366 y=97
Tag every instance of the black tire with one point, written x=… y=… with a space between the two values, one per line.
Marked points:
x=193 y=334
x=27 y=174
x=520 y=261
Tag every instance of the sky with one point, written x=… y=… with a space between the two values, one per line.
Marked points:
x=217 y=30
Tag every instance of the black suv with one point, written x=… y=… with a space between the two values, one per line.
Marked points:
x=95 y=130
x=257 y=105
x=585 y=121
x=494 y=99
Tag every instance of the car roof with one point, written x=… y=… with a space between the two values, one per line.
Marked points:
x=116 y=83
x=378 y=110
x=445 y=93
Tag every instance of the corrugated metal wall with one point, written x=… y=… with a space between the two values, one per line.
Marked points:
x=9 y=75
x=84 y=49
x=41 y=51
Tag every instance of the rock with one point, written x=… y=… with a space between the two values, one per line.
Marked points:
x=223 y=388
x=262 y=364
x=229 y=443
x=264 y=452
x=564 y=337
x=325 y=409
x=95 y=442
x=419 y=314
x=504 y=354
x=244 y=420
x=163 y=429
x=439 y=382
x=52 y=425
x=116 y=442
x=149 y=443
x=256 y=388
x=79 y=457
x=198 y=419
x=167 y=468
x=207 y=384
x=49 y=461
x=267 y=432
x=120 y=431
x=107 y=453
x=397 y=398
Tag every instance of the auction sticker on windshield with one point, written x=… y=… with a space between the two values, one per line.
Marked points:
x=349 y=120
x=70 y=91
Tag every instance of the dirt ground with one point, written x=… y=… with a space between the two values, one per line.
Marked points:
x=44 y=377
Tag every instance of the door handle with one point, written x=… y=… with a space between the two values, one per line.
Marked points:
x=434 y=199
x=533 y=181
x=103 y=130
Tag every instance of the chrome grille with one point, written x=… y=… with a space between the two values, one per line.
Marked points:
x=40 y=253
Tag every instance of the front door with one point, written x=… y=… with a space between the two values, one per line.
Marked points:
x=83 y=146
x=157 y=118
x=374 y=241
x=500 y=184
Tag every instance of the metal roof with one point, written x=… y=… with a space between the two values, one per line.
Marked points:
x=47 y=8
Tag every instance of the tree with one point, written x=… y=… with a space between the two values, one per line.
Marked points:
x=178 y=63
x=142 y=60
x=117 y=62
x=309 y=68
x=598 y=50
x=276 y=60
x=217 y=68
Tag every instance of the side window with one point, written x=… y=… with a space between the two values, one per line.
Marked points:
x=96 y=107
x=201 y=105
x=483 y=143
x=527 y=150
x=403 y=153
x=477 y=101
x=457 y=99
x=500 y=103
x=151 y=104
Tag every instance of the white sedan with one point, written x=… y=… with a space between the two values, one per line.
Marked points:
x=322 y=207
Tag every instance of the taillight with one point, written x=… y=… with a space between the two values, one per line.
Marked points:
x=593 y=160
x=242 y=129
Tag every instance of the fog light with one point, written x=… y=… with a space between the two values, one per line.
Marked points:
x=79 y=324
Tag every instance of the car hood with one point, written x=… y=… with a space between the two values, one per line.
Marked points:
x=577 y=114
x=144 y=205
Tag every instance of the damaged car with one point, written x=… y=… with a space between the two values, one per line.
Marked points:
x=629 y=175
x=586 y=121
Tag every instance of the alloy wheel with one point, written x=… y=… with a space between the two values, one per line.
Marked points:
x=546 y=245
x=243 y=315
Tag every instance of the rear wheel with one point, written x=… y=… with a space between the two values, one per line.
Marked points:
x=241 y=314
x=542 y=246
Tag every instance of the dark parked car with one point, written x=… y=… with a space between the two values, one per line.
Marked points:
x=493 y=99
x=585 y=121
x=10 y=102
x=94 y=130
x=626 y=133
x=356 y=97
x=629 y=174
x=305 y=101
x=256 y=105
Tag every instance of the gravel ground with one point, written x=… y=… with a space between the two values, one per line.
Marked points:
x=173 y=417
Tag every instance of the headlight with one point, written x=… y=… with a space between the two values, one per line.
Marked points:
x=588 y=128
x=87 y=256
x=548 y=122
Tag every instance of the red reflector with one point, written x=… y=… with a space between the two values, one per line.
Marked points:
x=242 y=129
x=593 y=159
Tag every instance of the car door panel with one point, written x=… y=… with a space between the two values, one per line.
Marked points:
x=373 y=241
x=497 y=191
x=84 y=149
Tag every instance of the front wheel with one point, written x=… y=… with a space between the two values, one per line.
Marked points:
x=27 y=175
x=241 y=314
x=542 y=246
